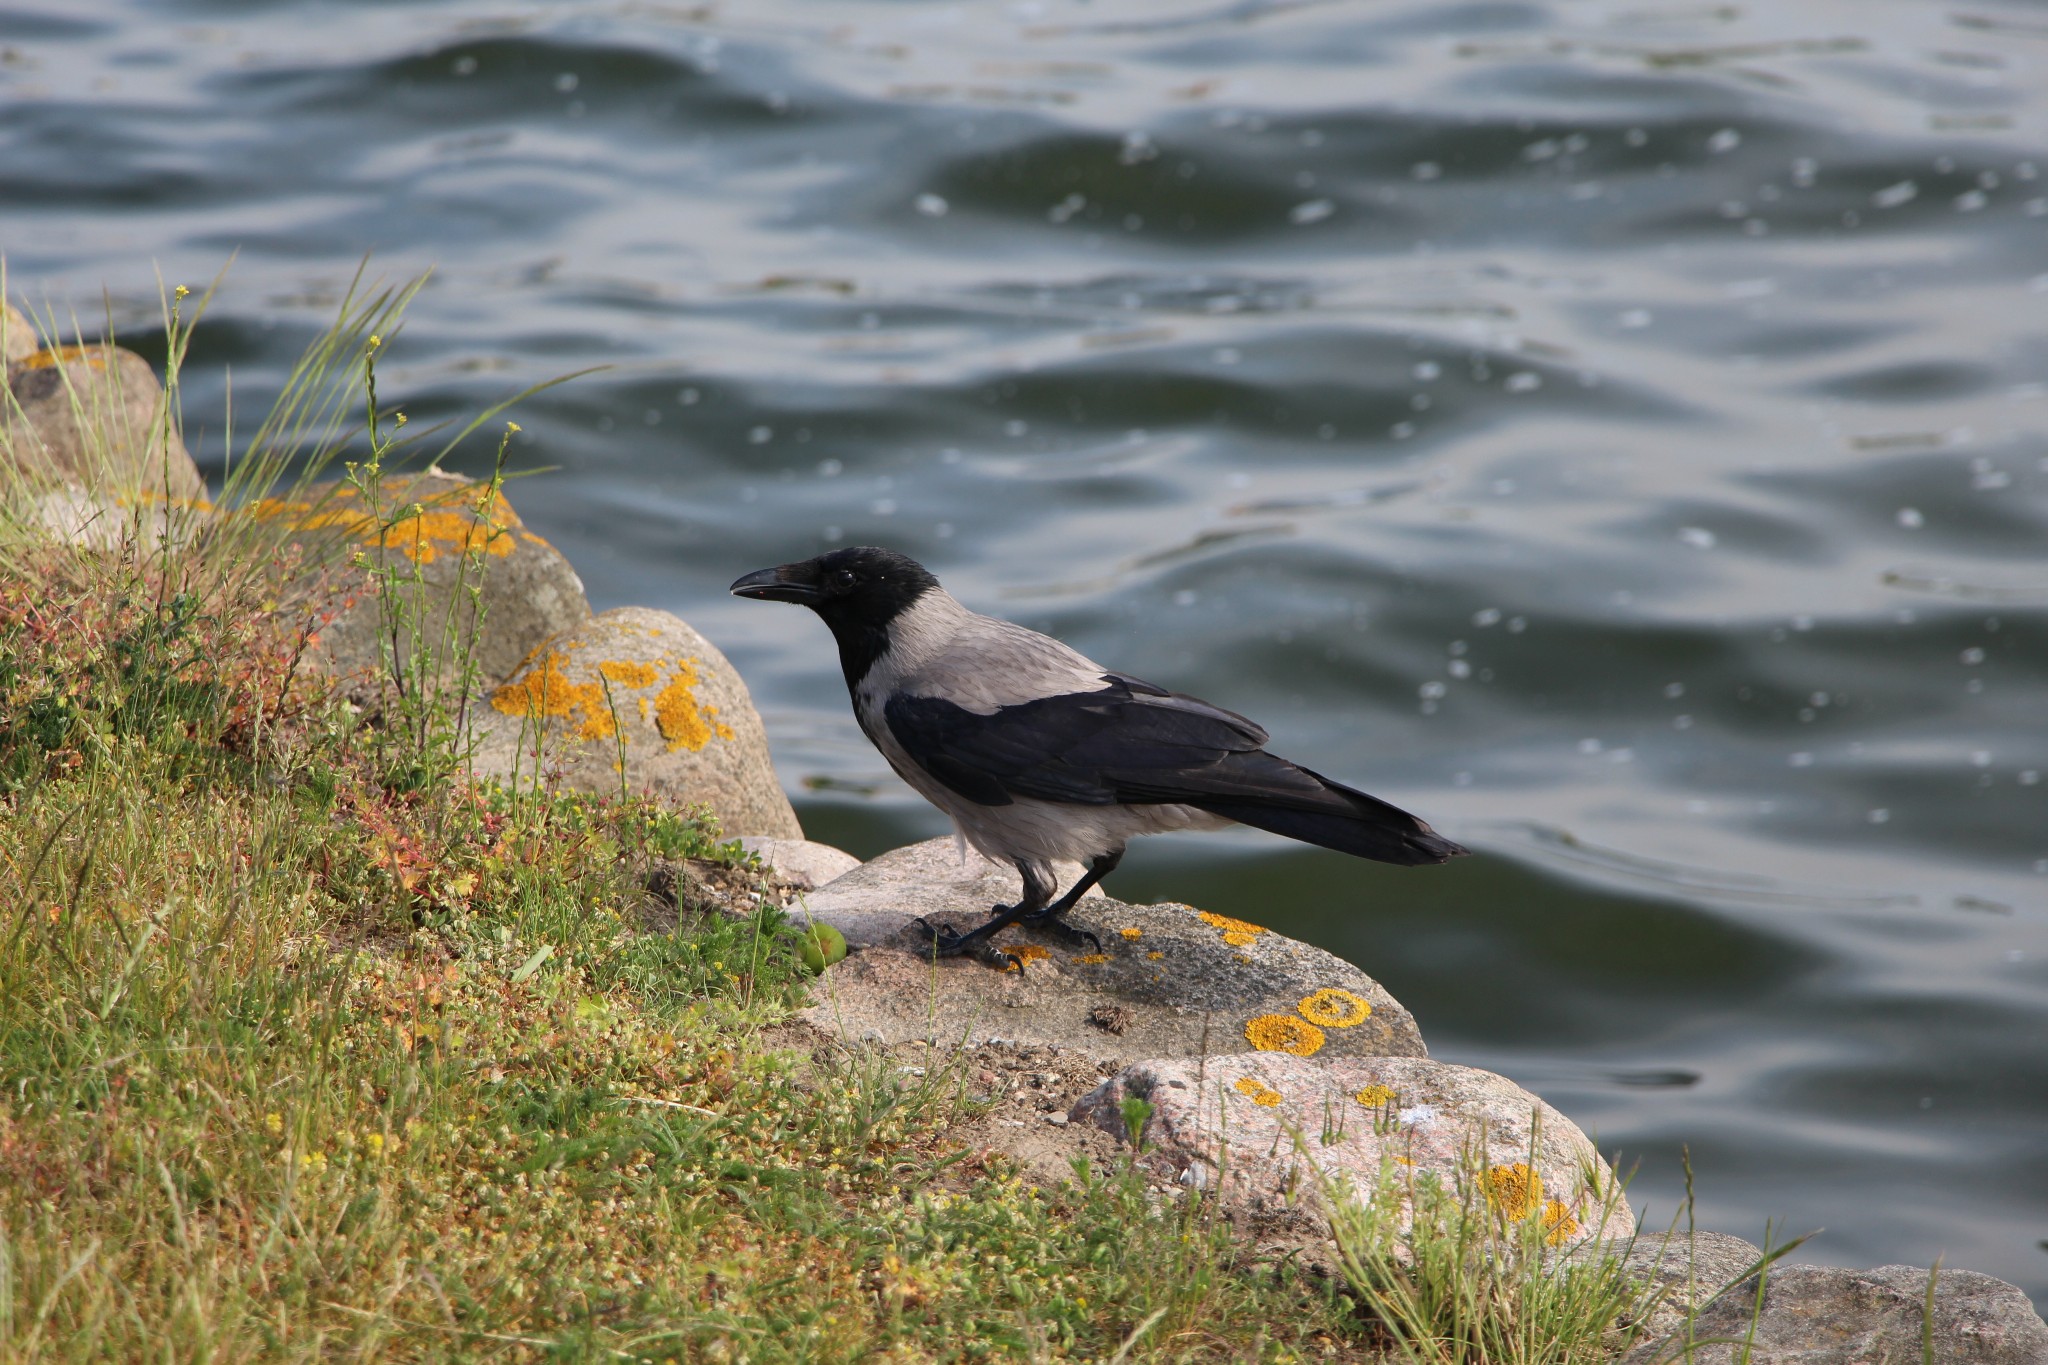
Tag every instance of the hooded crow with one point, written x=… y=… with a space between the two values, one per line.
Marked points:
x=1041 y=755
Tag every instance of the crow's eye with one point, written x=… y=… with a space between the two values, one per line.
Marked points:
x=845 y=578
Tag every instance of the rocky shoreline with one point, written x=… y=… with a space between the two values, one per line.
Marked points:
x=1266 y=1067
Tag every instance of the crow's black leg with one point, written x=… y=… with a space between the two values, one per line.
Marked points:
x=1038 y=889
x=1053 y=919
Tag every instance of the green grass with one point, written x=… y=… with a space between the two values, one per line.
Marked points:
x=311 y=1049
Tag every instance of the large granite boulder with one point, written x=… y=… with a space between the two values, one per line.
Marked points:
x=95 y=418
x=1824 y=1315
x=1166 y=980
x=800 y=864
x=441 y=554
x=1268 y=1130
x=635 y=700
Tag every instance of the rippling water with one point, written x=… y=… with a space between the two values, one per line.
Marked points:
x=1615 y=430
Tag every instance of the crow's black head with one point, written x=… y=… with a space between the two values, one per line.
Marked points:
x=857 y=591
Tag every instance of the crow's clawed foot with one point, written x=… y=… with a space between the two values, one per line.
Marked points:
x=979 y=945
x=1055 y=927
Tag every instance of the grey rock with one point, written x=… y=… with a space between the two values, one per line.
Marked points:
x=1824 y=1315
x=94 y=417
x=1689 y=1268
x=98 y=521
x=636 y=700
x=1268 y=1131
x=1179 y=983
x=448 y=555
x=803 y=864
x=18 y=339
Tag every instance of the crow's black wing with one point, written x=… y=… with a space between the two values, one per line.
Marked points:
x=1129 y=742
x=1135 y=744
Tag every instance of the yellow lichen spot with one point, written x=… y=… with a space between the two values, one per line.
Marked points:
x=547 y=691
x=1258 y=1091
x=1517 y=1189
x=1334 y=1008
x=1132 y=933
x=1155 y=955
x=1023 y=952
x=1404 y=1161
x=1558 y=1219
x=683 y=721
x=1284 y=1033
x=626 y=673
x=1236 y=932
x=95 y=356
x=1375 y=1096
x=1093 y=959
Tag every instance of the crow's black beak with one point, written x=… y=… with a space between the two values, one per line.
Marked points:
x=775 y=585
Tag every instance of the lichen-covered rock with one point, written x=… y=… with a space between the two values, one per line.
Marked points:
x=1168 y=981
x=94 y=417
x=636 y=700
x=18 y=339
x=802 y=864
x=98 y=521
x=1823 y=1315
x=1689 y=1267
x=1262 y=1130
x=444 y=555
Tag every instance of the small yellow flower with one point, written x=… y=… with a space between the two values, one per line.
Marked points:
x=274 y=1122
x=181 y=291
x=1284 y=1033
x=514 y=426
x=375 y=341
x=1375 y=1096
x=1333 y=1008
x=313 y=1161
x=400 y=418
x=374 y=1144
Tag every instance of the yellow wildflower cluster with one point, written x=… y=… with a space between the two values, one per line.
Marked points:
x=1258 y=1091
x=1334 y=1008
x=1284 y=1033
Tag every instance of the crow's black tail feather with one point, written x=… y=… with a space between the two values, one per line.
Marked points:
x=1348 y=821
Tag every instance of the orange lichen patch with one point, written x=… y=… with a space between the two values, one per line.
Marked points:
x=1517 y=1189
x=1023 y=952
x=1155 y=955
x=461 y=520
x=1284 y=1033
x=547 y=691
x=1375 y=1096
x=49 y=356
x=1093 y=959
x=1132 y=933
x=1258 y=1091
x=1334 y=1008
x=1559 y=1222
x=683 y=721
x=1236 y=932
x=626 y=673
